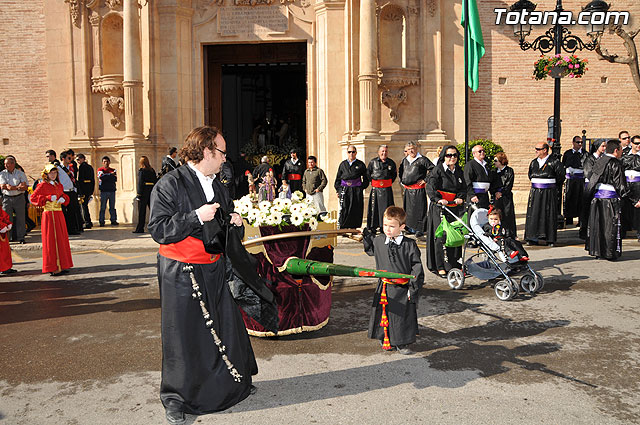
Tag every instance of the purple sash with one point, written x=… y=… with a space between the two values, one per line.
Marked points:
x=576 y=175
x=351 y=183
x=606 y=194
x=543 y=185
x=633 y=179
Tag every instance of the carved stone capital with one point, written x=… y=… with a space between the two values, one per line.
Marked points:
x=393 y=81
x=94 y=19
x=392 y=99
x=432 y=7
x=115 y=106
x=110 y=84
x=74 y=10
x=113 y=4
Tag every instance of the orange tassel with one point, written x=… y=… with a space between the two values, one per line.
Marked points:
x=384 y=320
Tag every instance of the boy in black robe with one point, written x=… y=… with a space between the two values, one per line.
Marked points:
x=503 y=237
x=607 y=185
x=395 y=324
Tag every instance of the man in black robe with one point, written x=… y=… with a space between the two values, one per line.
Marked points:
x=476 y=177
x=207 y=359
x=630 y=204
x=574 y=186
x=292 y=172
x=607 y=185
x=169 y=161
x=625 y=141
x=597 y=149
x=351 y=181
x=546 y=173
x=86 y=186
x=261 y=170
x=382 y=172
x=413 y=173
x=241 y=168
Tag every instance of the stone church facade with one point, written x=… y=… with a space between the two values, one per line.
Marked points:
x=126 y=78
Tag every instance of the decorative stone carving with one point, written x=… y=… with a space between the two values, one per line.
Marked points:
x=392 y=13
x=253 y=2
x=112 y=4
x=109 y=84
x=393 y=81
x=74 y=10
x=114 y=105
x=414 y=10
x=432 y=7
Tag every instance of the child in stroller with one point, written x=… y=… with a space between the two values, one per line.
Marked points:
x=512 y=248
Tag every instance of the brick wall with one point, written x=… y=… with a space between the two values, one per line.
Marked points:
x=514 y=114
x=24 y=103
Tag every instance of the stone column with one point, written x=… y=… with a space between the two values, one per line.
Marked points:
x=132 y=78
x=368 y=74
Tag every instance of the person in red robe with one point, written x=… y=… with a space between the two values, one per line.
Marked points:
x=56 y=253
x=5 y=251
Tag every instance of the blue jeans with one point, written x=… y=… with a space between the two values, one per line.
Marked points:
x=111 y=197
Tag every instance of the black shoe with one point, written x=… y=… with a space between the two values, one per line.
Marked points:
x=405 y=350
x=532 y=243
x=61 y=272
x=114 y=223
x=88 y=226
x=22 y=242
x=253 y=390
x=74 y=233
x=101 y=224
x=175 y=416
x=138 y=231
x=30 y=227
x=10 y=271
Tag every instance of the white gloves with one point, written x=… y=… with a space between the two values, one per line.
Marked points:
x=53 y=198
x=60 y=199
x=5 y=229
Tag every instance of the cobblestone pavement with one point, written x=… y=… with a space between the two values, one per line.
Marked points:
x=85 y=348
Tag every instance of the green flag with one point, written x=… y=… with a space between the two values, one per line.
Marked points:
x=475 y=43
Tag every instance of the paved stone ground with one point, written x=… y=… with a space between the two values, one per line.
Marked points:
x=85 y=348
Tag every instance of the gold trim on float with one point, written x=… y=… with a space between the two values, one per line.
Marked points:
x=292 y=331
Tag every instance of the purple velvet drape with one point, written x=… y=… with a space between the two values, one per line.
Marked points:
x=300 y=301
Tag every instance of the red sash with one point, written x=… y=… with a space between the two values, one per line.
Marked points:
x=295 y=177
x=415 y=186
x=449 y=197
x=381 y=183
x=189 y=250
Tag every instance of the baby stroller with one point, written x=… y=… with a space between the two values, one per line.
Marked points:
x=488 y=262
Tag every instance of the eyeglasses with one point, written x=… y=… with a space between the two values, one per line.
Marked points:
x=636 y=143
x=625 y=138
x=451 y=155
x=351 y=151
x=578 y=141
x=222 y=152
x=480 y=151
x=541 y=149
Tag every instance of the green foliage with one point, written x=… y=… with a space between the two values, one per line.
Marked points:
x=490 y=149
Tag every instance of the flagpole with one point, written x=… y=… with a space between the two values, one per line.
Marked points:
x=466 y=80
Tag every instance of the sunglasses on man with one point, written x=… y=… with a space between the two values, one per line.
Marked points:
x=351 y=151
x=541 y=149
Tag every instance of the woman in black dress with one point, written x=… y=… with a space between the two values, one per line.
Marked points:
x=502 y=191
x=146 y=180
x=445 y=186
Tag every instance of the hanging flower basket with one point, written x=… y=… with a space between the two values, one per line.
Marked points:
x=559 y=66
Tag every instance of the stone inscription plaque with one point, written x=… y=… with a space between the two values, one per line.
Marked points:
x=258 y=20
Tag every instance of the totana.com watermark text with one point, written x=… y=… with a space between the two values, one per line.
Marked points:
x=524 y=17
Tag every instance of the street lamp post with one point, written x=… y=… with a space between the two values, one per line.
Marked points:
x=558 y=38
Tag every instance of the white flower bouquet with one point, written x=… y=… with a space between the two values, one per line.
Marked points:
x=296 y=211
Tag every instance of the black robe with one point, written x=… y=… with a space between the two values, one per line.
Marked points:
x=260 y=171
x=381 y=197
x=351 y=197
x=401 y=311
x=542 y=208
x=587 y=166
x=630 y=213
x=415 y=200
x=446 y=181
x=502 y=181
x=194 y=374
x=603 y=235
x=574 y=186
x=474 y=172
x=291 y=168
